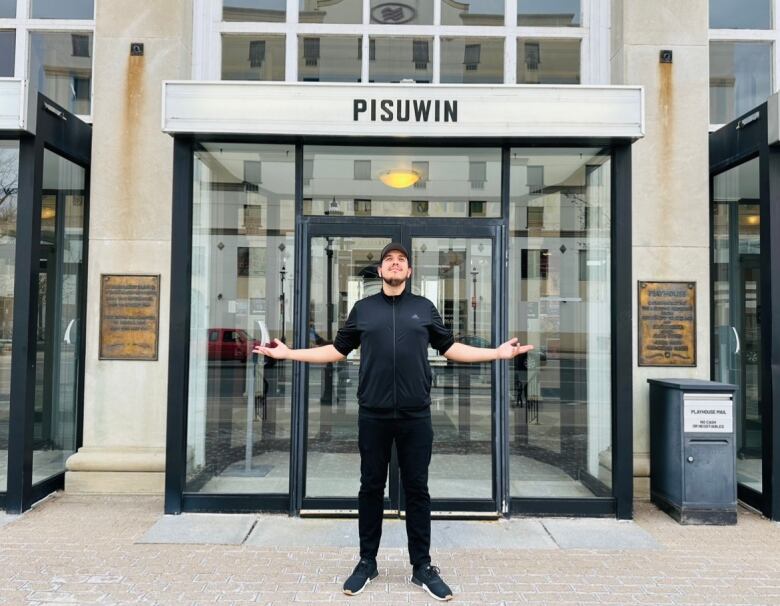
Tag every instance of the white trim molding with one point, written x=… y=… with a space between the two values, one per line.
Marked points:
x=261 y=108
x=13 y=104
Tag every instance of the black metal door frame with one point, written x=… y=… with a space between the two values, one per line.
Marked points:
x=403 y=230
x=744 y=139
x=62 y=133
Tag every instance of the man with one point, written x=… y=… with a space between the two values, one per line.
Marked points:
x=393 y=328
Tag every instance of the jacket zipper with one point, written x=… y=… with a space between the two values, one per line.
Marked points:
x=395 y=394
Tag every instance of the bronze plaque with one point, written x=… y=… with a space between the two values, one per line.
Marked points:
x=667 y=324
x=129 y=317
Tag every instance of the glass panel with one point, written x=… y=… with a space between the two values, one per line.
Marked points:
x=559 y=283
x=740 y=78
x=254 y=10
x=243 y=243
x=410 y=12
x=472 y=60
x=401 y=182
x=7 y=53
x=60 y=289
x=57 y=9
x=345 y=11
x=398 y=59
x=476 y=12
x=456 y=274
x=9 y=190
x=255 y=57
x=541 y=61
x=329 y=58
x=342 y=271
x=61 y=68
x=737 y=347
x=550 y=13
x=7 y=9
x=748 y=14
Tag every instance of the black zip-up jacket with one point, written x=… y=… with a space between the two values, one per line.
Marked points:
x=393 y=334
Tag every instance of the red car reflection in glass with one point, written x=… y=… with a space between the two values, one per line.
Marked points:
x=230 y=344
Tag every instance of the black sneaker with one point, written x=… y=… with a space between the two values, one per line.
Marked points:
x=360 y=577
x=427 y=577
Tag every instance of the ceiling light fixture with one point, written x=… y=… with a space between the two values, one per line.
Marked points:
x=399 y=178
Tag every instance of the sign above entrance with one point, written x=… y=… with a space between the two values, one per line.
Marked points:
x=401 y=110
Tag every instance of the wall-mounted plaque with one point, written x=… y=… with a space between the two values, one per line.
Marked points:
x=129 y=317
x=667 y=324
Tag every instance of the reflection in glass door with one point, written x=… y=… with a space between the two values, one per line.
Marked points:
x=456 y=274
x=342 y=270
x=60 y=292
x=737 y=342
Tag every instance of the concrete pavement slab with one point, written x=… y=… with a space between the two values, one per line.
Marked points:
x=446 y=534
x=200 y=528
x=598 y=534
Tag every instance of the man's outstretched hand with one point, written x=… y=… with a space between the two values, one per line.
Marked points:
x=510 y=349
x=279 y=351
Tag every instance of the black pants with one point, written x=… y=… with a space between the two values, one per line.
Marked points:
x=413 y=442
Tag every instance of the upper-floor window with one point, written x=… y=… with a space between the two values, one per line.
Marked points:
x=55 y=38
x=424 y=41
x=745 y=14
x=743 y=56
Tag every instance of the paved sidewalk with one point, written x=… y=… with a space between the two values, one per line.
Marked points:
x=74 y=549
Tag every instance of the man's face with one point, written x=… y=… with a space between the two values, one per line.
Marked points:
x=395 y=269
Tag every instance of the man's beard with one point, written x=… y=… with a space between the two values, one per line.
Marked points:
x=393 y=281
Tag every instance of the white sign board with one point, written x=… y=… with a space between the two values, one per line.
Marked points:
x=403 y=110
x=708 y=416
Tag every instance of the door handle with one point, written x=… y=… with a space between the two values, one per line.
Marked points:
x=736 y=336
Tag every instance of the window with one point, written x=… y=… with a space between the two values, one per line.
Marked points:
x=316 y=11
x=328 y=59
x=548 y=13
x=311 y=51
x=477 y=174
x=746 y=14
x=362 y=170
x=472 y=60
x=7 y=53
x=59 y=71
x=475 y=39
x=486 y=12
x=254 y=10
x=548 y=61
x=252 y=57
x=7 y=9
x=80 y=44
x=740 y=78
x=58 y=9
x=399 y=59
x=415 y=12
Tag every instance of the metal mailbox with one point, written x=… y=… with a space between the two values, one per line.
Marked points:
x=693 y=450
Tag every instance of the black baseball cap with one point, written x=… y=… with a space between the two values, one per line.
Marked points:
x=395 y=246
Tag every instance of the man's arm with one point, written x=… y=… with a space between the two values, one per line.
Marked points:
x=313 y=355
x=459 y=352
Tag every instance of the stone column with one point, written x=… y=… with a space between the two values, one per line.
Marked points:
x=670 y=172
x=129 y=232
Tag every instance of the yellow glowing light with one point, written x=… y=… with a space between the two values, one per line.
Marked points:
x=47 y=213
x=399 y=178
x=753 y=219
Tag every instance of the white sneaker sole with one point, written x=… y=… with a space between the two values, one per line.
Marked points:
x=348 y=592
x=429 y=592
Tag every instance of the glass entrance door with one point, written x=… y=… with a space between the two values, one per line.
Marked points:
x=737 y=339
x=456 y=272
